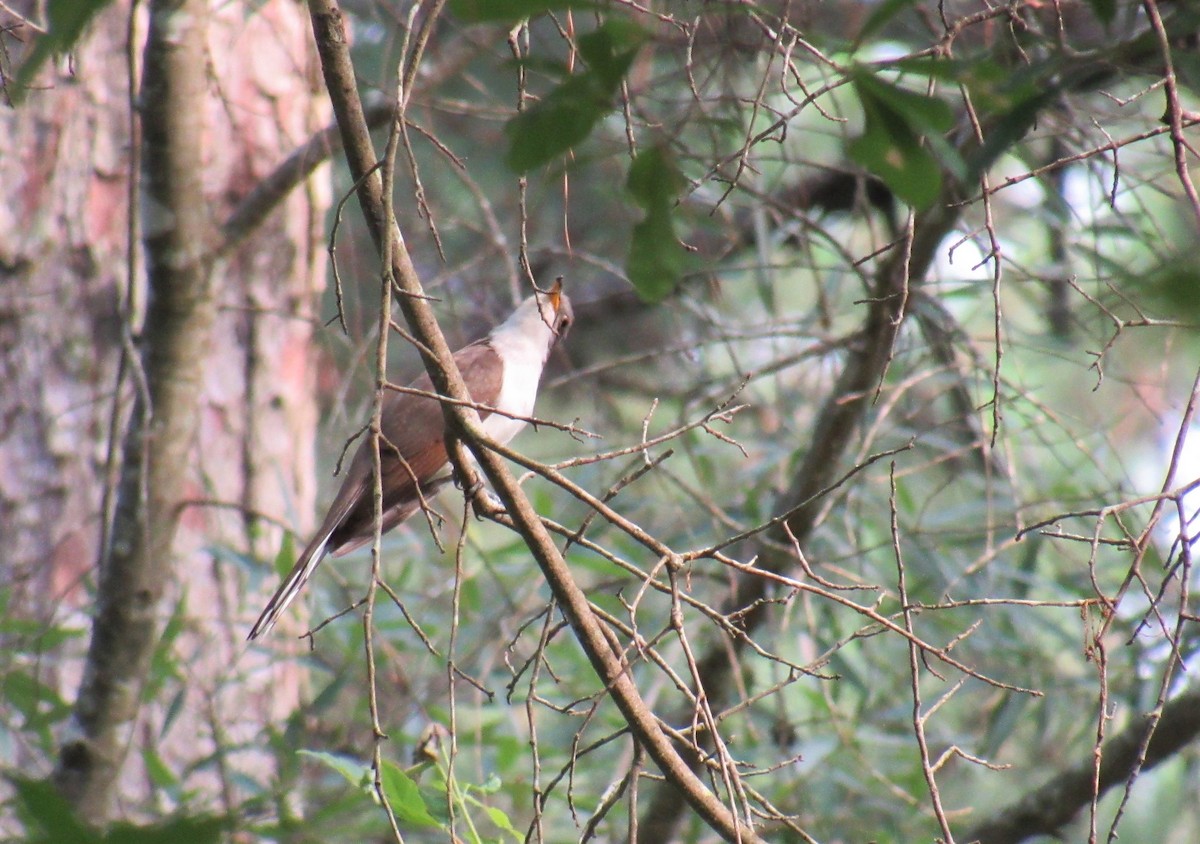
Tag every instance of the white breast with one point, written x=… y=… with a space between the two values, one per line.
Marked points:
x=523 y=341
x=518 y=392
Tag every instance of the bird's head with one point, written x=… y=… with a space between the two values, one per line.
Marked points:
x=542 y=320
x=555 y=309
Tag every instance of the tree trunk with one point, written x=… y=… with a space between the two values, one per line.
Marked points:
x=222 y=361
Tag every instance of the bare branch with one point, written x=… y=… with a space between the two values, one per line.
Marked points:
x=1045 y=810
x=332 y=45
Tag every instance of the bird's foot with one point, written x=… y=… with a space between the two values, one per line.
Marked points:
x=485 y=502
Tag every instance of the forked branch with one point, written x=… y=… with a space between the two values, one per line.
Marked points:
x=333 y=48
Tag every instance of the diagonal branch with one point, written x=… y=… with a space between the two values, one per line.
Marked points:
x=1045 y=810
x=865 y=367
x=332 y=45
x=840 y=418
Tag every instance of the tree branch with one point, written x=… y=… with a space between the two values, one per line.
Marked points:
x=839 y=419
x=157 y=445
x=1045 y=810
x=852 y=397
x=332 y=45
x=324 y=144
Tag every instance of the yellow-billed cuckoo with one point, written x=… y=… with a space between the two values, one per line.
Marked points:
x=501 y=371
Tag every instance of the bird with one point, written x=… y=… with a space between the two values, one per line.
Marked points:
x=501 y=371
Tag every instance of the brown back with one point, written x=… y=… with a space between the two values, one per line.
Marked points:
x=412 y=453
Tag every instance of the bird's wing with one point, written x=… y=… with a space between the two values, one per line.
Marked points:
x=483 y=372
x=412 y=454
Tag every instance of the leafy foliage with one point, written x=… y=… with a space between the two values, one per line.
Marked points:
x=567 y=115
x=656 y=257
x=49 y=819
x=67 y=21
x=899 y=129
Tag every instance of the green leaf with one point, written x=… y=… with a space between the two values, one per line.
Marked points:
x=910 y=171
x=890 y=146
x=654 y=180
x=920 y=111
x=66 y=20
x=173 y=711
x=500 y=819
x=164 y=666
x=560 y=121
x=49 y=819
x=1173 y=284
x=193 y=830
x=656 y=257
x=1007 y=129
x=511 y=11
x=46 y=815
x=609 y=50
x=357 y=773
x=490 y=786
x=157 y=770
x=565 y=117
x=38 y=703
x=509 y=750
x=286 y=558
x=1187 y=68
x=42 y=638
x=404 y=797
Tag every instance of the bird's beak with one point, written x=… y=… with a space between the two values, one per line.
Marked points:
x=563 y=316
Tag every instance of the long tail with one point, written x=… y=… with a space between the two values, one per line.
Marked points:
x=291 y=586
